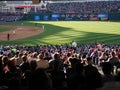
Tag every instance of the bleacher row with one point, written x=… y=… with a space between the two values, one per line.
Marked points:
x=95 y=7
x=10 y=17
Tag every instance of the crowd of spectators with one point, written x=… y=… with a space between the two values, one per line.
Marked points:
x=93 y=7
x=59 y=67
x=70 y=10
x=87 y=10
x=10 y=17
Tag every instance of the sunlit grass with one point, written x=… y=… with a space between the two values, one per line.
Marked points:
x=60 y=32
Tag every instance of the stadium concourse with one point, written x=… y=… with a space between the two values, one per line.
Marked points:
x=59 y=67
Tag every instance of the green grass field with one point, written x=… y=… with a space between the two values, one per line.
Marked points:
x=4 y=29
x=61 y=32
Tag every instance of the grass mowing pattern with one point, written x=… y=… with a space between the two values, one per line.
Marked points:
x=60 y=32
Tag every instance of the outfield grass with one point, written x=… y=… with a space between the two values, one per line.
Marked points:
x=60 y=32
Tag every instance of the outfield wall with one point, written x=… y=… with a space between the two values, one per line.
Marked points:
x=114 y=16
x=74 y=16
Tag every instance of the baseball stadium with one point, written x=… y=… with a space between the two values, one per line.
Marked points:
x=59 y=44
